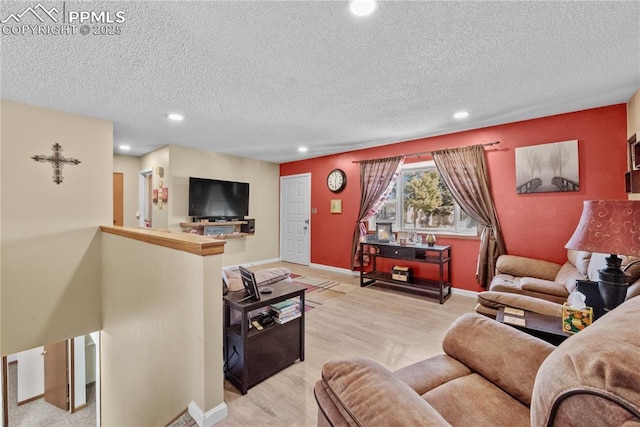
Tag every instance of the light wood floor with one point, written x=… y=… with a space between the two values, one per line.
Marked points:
x=393 y=328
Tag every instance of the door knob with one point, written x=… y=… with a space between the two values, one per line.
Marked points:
x=43 y=353
x=305 y=227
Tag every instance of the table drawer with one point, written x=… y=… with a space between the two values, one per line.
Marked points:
x=397 y=252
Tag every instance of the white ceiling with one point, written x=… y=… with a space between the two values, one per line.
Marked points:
x=258 y=79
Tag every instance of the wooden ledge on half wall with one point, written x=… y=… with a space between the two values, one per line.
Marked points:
x=192 y=243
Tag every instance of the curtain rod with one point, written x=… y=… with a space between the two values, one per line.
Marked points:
x=423 y=153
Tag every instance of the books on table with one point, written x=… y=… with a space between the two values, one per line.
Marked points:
x=285 y=311
x=285 y=305
x=287 y=318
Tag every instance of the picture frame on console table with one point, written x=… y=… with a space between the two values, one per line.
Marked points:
x=383 y=231
x=412 y=238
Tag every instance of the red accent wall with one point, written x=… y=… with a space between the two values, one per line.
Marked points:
x=535 y=225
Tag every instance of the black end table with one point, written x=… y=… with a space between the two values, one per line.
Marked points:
x=547 y=328
x=252 y=355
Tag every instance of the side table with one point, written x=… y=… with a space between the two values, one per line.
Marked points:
x=547 y=328
x=252 y=355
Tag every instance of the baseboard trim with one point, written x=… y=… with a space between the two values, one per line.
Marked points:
x=212 y=417
x=335 y=269
x=251 y=264
x=465 y=292
x=31 y=399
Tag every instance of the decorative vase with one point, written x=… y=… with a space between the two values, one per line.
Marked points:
x=431 y=239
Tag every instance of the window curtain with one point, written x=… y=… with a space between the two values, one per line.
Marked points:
x=465 y=173
x=376 y=182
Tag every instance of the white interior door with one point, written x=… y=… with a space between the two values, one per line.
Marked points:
x=30 y=374
x=295 y=220
x=145 y=209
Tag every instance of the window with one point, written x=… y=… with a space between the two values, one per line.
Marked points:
x=420 y=201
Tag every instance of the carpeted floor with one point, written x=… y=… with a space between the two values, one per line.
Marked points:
x=184 y=420
x=41 y=413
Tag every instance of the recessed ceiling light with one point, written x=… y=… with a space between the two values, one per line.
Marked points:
x=363 y=7
x=303 y=149
x=175 y=117
x=461 y=115
x=125 y=147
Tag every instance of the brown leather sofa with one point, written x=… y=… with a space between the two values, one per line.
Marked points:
x=553 y=282
x=493 y=375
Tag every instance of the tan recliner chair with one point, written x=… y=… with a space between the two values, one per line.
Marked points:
x=493 y=375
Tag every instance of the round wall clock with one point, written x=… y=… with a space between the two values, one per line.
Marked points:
x=336 y=180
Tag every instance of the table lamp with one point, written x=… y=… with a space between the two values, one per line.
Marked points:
x=609 y=227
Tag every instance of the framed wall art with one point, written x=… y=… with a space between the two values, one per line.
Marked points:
x=547 y=168
x=336 y=206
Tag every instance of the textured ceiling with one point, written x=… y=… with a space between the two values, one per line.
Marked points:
x=258 y=79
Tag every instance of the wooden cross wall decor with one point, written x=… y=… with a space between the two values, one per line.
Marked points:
x=58 y=161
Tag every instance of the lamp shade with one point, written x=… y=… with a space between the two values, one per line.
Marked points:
x=609 y=227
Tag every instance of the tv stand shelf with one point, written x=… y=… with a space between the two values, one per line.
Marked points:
x=218 y=229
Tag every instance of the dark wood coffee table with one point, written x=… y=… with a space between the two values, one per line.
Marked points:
x=548 y=328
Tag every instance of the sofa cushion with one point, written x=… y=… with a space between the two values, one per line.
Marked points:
x=264 y=277
x=568 y=275
x=514 y=285
x=510 y=361
x=522 y=266
x=544 y=287
x=366 y=394
x=586 y=380
x=495 y=300
x=580 y=260
x=473 y=401
x=430 y=373
x=505 y=283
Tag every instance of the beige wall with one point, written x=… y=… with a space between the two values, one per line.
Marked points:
x=633 y=114
x=162 y=332
x=264 y=193
x=130 y=167
x=159 y=158
x=50 y=241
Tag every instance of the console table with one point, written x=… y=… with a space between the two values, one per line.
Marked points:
x=440 y=255
x=252 y=355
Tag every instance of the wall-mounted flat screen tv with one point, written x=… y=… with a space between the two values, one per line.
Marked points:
x=218 y=200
